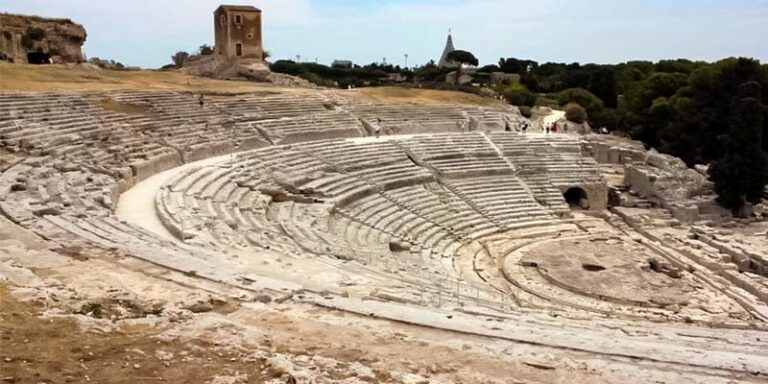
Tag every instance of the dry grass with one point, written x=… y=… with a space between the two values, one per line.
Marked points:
x=130 y=109
x=401 y=95
x=77 y=78
x=85 y=78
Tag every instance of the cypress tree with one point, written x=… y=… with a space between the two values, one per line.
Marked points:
x=741 y=174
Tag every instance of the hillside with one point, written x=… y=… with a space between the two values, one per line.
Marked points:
x=88 y=78
x=79 y=77
x=399 y=95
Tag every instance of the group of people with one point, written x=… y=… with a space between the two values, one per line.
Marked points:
x=548 y=127
x=554 y=127
x=551 y=127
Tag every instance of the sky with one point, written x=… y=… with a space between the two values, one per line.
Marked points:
x=146 y=33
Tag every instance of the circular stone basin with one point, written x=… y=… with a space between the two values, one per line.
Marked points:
x=607 y=269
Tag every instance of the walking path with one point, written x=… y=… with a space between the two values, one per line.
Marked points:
x=137 y=205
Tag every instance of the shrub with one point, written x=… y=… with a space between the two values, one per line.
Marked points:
x=581 y=97
x=317 y=80
x=36 y=34
x=526 y=111
x=287 y=67
x=27 y=42
x=481 y=78
x=431 y=72
x=575 y=113
x=547 y=101
x=518 y=94
x=206 y=50
x=179 y=57
x=107 y=64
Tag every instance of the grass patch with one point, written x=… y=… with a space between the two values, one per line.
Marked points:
x=404 y=95
x=129 y=109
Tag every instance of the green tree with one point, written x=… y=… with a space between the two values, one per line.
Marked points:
x=489 y=68
x=742 y=173
x=288 y=67
x=431 y=72
x=661 y=112
x=709 y=114
x=462 y=58
x=604 y=86
x=512 y=65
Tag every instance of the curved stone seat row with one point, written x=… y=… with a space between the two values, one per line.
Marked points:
x=390 y=202
x=328 y=199
x=407 y=118
x=321 y=126
x=254 y=107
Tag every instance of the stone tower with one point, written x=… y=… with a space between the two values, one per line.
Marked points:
x=238 y=32
x=448 y=49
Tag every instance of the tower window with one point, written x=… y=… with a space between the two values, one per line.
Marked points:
x=238 y=19
x=223 y=20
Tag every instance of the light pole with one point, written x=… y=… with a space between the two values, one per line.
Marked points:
x=406 y=61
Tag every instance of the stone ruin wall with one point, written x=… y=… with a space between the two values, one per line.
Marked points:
x=665 y=180
x=63 y=38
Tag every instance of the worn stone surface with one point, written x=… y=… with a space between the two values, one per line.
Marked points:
x=62 y=39
x=443 y=250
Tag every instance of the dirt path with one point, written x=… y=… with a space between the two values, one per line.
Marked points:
x=555 y=116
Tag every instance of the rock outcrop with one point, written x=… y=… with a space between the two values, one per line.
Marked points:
x=662 y=179
x=37 y=40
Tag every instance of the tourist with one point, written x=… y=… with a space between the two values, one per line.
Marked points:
x=525 y=127
x=546 y=126
x=202 y=100
x=554 y=127
x=377 y=129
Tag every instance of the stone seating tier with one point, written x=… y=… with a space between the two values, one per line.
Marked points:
x=409 y=191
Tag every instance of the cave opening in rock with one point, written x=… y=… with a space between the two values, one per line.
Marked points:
x=38 y=58
x=576 y=198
